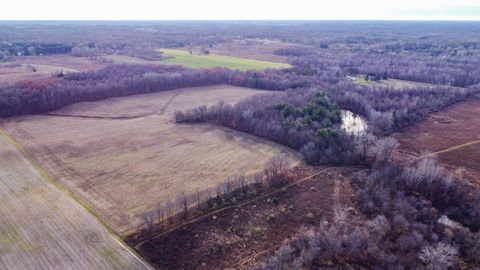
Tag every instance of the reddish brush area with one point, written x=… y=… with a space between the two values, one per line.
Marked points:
x=452 y=135
x=240 y=236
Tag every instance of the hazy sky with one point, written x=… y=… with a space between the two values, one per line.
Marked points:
x=239 y=9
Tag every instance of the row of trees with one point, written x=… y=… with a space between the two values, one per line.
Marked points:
x=32 y=48
x=229 y=192
x=121 y=80
x=418 y=217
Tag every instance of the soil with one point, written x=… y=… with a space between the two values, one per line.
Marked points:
x=39 y=68
x=259 y=49
x=124 y=156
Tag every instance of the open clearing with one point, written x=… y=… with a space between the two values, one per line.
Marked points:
x=193 y=60
x=31 y=68
x=254 y=48
x=62 y=61
x=11 y=74
x=124 y=59
x=454 y=133
x=126 y=167
x=237 y=237
x=41 y=227
x=395 y=83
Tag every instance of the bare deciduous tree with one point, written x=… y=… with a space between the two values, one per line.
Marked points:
x=439 y=256
x=383 y=150
x=149 y=221
x=183 y=203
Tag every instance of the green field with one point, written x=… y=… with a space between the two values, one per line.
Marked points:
x=214 y=60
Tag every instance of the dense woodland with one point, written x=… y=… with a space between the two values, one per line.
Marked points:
x=389 y=108
x=27 y=49
x=308 y=119
x=305 y=120
x=404 y=223
x=413 y=215
x=122 y=80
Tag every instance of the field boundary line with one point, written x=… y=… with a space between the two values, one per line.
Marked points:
x=158 y=112
x=46 y=177
x=240 y=204
x=98 y=117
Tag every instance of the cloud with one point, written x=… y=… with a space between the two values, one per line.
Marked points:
x=239 y=9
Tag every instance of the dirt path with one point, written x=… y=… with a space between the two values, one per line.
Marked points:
x=336 y=191
x=448 y=149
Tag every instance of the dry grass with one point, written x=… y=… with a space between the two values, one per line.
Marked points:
x=124 y=59
x=193 y=60
x=124 y=168
x=464 y=162
x=62 y=61
x=259 y=49
x=451 y=132
x=41 y=227
x=45 y=66
x=11 y=74
x=395 y=83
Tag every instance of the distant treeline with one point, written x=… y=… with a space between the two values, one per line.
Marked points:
x=445 y=67
x=122 y=80
x=20 y=48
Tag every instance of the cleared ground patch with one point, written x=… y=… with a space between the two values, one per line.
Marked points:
x=395 y=83
x=13 y=73
x=193 y=60
x=454 y=133
x=126 y=167
x=255 y=48
x=31 y=68
x=41 y=227
x=62 y=60
x=124 y=59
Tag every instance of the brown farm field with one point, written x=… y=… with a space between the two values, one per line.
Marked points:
x=258 y=49
x=124 y=59
x=62 y=61
x=452 y=135
x=42 y=227
x=124 y=156
x=21 y=69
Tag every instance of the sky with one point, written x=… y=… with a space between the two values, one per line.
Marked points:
x=240 y=10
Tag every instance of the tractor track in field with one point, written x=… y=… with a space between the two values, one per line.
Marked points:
x=416 y=156
x=448 y=149
x=129 y=117
x=67 y=198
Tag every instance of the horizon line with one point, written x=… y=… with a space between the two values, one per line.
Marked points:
x=237 y=20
